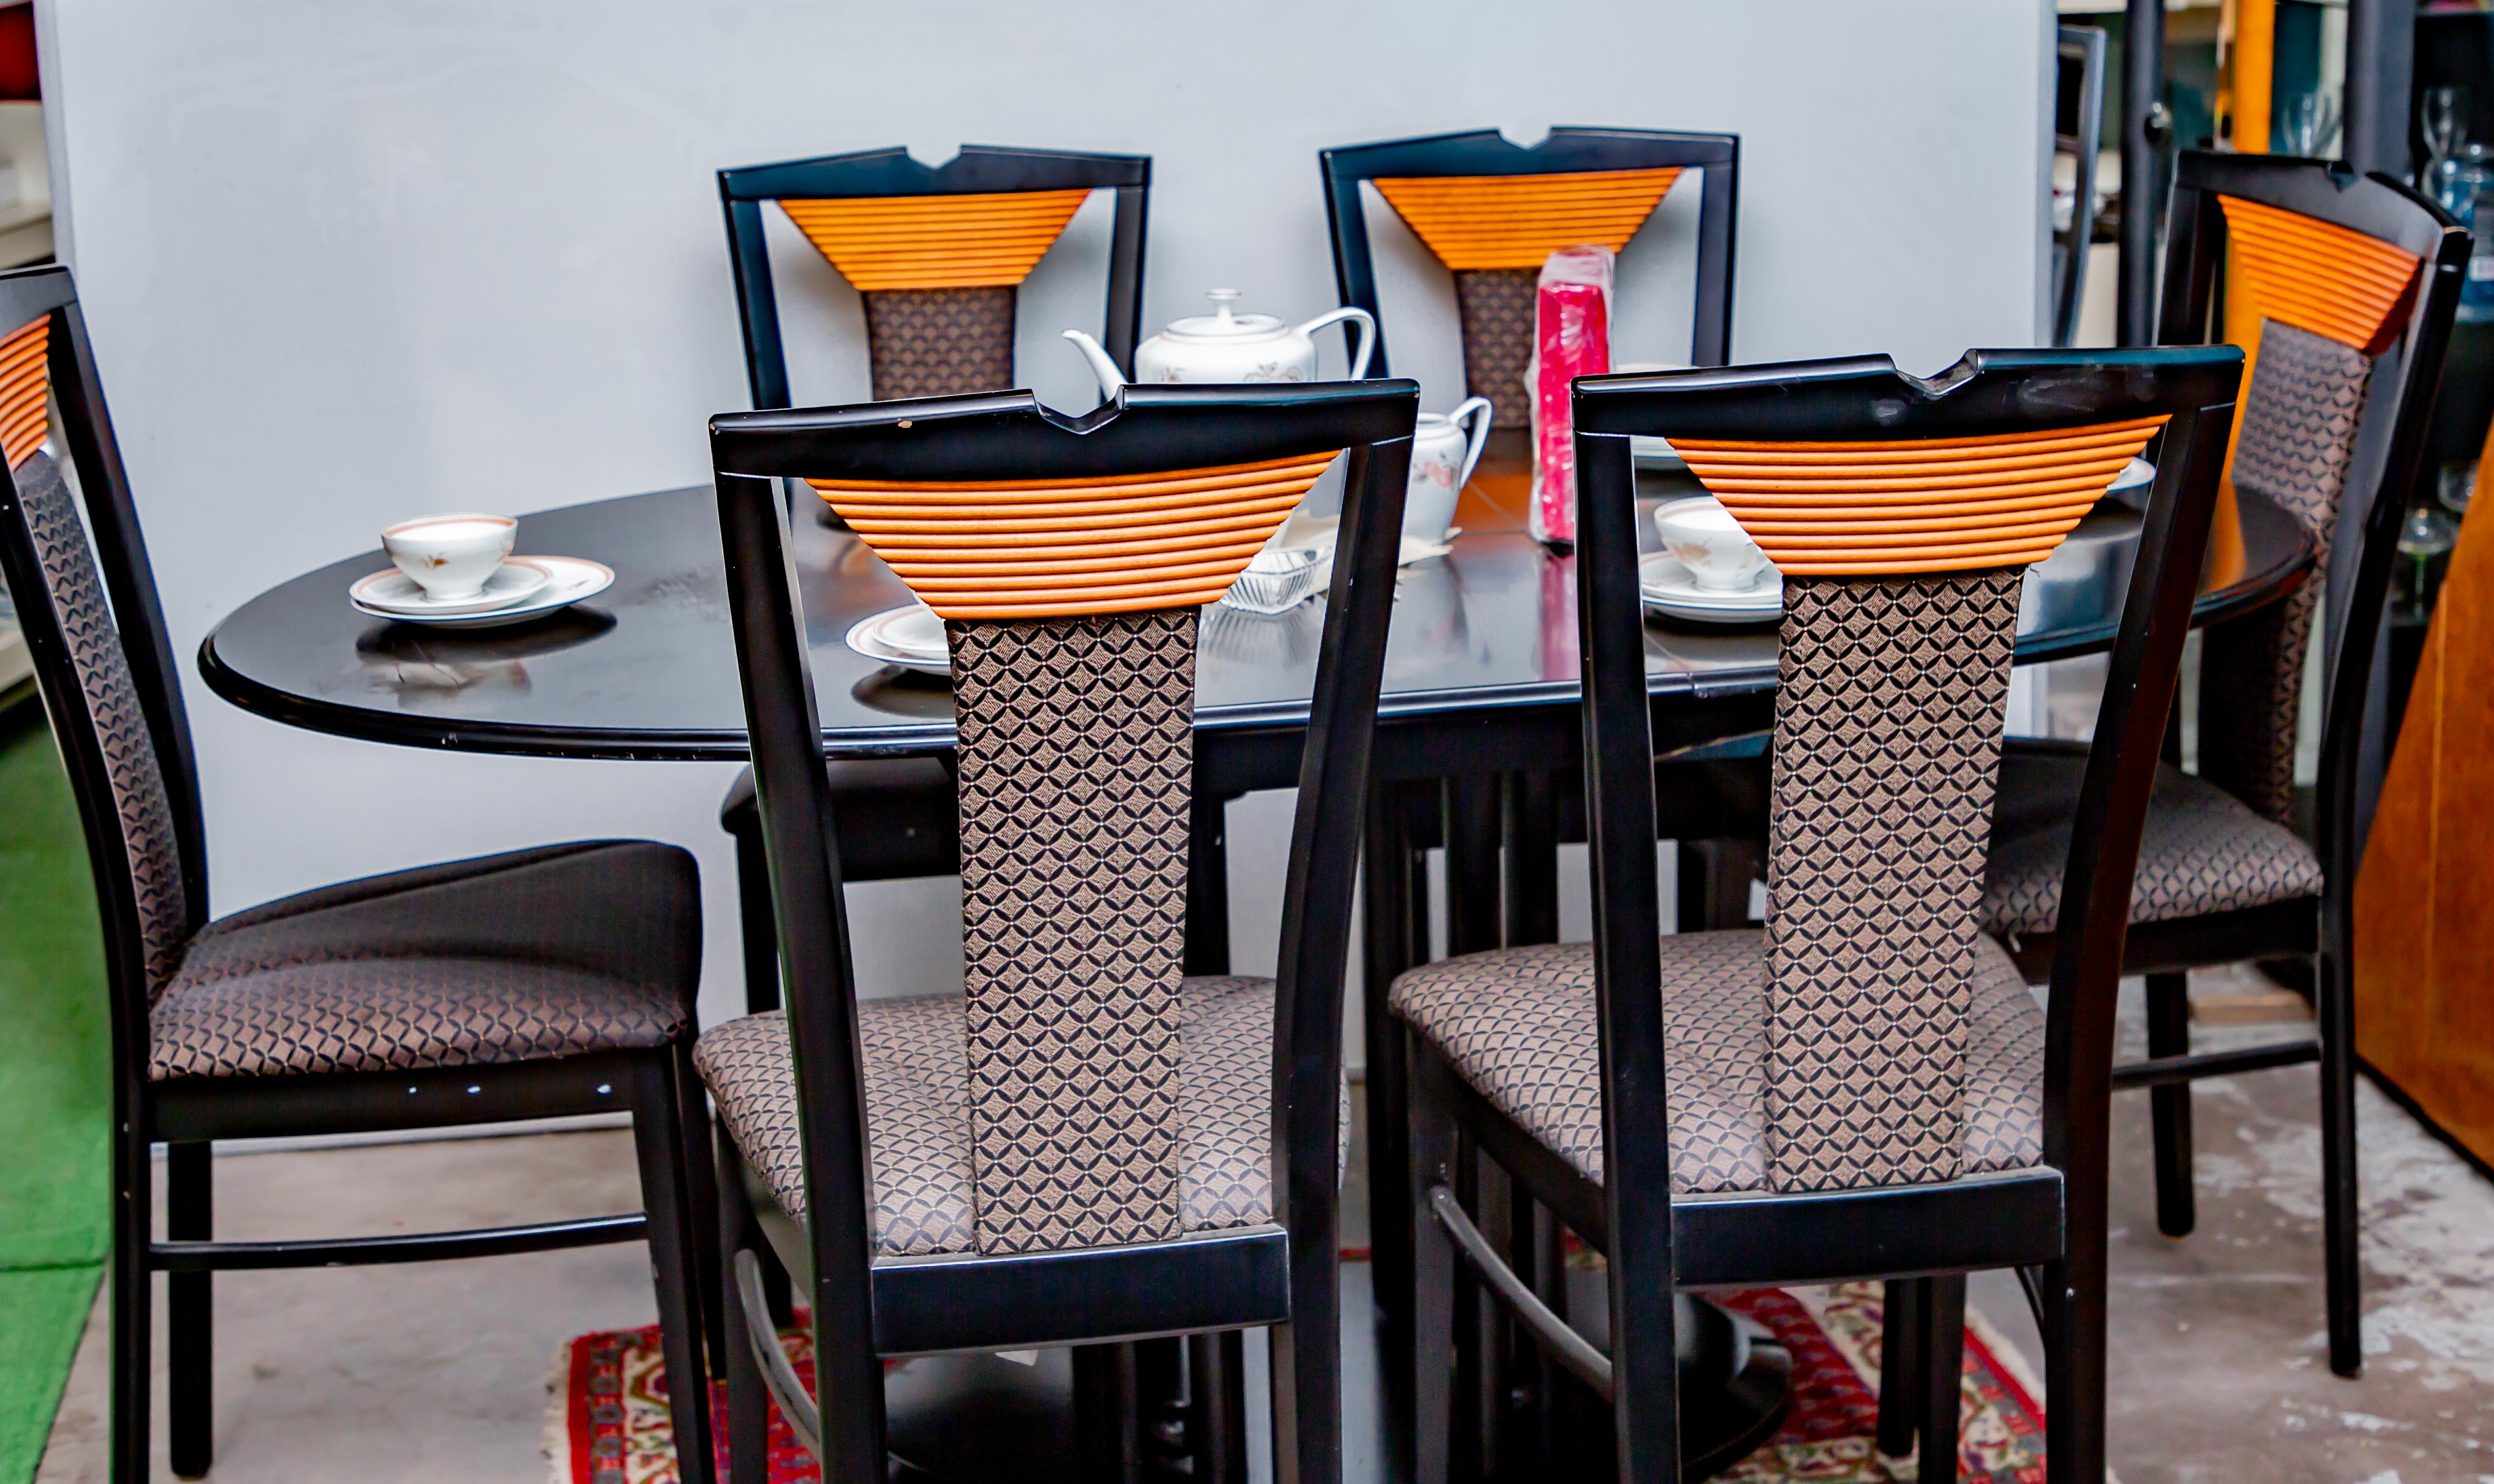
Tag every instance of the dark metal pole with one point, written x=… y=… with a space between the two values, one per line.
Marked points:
x=2144 y=125
x=2381 y=75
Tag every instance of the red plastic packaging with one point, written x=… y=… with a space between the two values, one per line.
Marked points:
x=1572 y=338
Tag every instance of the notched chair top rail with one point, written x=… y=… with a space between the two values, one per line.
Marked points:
x=1867 y=398
x=1143 y=430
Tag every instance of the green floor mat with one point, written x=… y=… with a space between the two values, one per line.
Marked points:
x=55 y=1089
x=42 y=1311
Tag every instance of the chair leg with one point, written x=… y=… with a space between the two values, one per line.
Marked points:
x=1430 y=1133
x=2340 y=1213
x=667 y=1184
x=749 y=1401
x=133 y=1287
x=2169 y=1034
x=1901 y=1365
x=1943 y=1358
x=1107 y=1448
x=1217 y=1390
x=2073 y=1383
x=709 y=1271
x=190 y=1390
x=757 y=915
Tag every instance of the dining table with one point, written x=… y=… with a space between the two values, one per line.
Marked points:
x=1478 y=715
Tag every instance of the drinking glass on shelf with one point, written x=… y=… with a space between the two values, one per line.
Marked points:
x=2457 y=482
x=2442 y=117
x=2307 y=126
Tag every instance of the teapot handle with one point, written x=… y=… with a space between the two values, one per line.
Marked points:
x=1367 y=335
x=1478 y=410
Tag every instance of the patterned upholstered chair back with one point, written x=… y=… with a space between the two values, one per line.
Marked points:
x=2318 y=304
x=86 y=602
x=936 y=254
x=1070 y=589
x=1492 y=213
x=1902 y=515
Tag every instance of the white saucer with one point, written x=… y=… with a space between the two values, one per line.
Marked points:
x=1668 y=588
x=2138 y=473
x=395 y=594
x=567 y=580
x=902 y=636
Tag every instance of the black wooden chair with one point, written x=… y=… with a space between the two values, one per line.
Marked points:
x=1087 y=1145
x=936 y=254
x=1491 y=212
x=1867 y=1088
x=2346 y=286
x=539 y=984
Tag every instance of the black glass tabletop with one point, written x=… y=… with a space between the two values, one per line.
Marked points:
x=647 y=670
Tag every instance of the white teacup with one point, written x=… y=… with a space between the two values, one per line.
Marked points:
x=1705 y=539
x=450 y=555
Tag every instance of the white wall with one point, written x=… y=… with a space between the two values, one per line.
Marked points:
x=346 y=263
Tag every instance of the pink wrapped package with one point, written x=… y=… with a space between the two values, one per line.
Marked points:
x=1572 y=338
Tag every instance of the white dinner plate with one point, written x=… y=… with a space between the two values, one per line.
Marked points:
x=393 y=594
x=569 y=580
x=1668 y=588
x=902 y=636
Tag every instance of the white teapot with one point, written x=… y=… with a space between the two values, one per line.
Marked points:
x=1441 y=465
x=1225 y=347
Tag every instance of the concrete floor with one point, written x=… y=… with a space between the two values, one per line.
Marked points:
x=438 y=1371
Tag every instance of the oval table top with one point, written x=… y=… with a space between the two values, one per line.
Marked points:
x=648 y=668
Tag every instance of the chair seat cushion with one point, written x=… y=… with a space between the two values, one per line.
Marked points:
x=514 y=957
x=1519 y=1025
x=918 y=1110
x=2204 y=850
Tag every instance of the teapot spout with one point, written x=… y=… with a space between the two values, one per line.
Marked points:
x=1111 y=379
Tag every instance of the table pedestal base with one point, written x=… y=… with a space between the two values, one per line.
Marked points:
x=979 y=1417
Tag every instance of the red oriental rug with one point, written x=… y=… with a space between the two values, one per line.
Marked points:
x=607 y=1422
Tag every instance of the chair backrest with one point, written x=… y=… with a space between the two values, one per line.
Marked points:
x=1903 y=514
x=935 y=252
x=1069 y=559
x=86 y=601
x=1493 y=212
x=2077 y=132
x=2341 y=291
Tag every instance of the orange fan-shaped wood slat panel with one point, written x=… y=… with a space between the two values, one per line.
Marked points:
x=1956 y=504
x=1061 y=548
x=2318 y=276
x=1518 y=220
x=24 y=381
x=883 y=242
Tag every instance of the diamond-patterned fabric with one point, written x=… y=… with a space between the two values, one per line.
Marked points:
x=75 y=590
x=536 y=953
x=1520 y=1025
x=939 y=341
x=918 y=1111
x=2204 y=850
x=1495 y=308
x=1887 y=741
x=2298 y=434
x=1077 y=762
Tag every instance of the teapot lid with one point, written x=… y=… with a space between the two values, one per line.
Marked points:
x=1223 y=324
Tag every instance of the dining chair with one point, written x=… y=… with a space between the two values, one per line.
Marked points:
x=2342 y=293
x=1865 y=1087
x=936 y=254
x=1087 y=1144
x=537 y=984
x=1492 y=212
